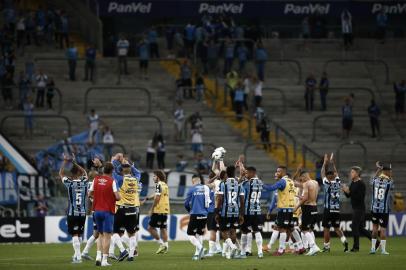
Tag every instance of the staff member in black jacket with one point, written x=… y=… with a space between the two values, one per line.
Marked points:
x=356 y=192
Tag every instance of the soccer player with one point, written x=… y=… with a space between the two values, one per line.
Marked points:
x=382 y=185
x=286 y=202
x=230 y=211
x=197 y=203
x=331 y=214
x=77 y=186
x=159 y=212
x=275 y=231
x=214 y=242
x=105 y=194
x=252 y=188
x=308 y=203
x=128 y=207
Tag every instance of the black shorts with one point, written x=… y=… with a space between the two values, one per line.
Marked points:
x=295 y=221
x=347 y=124
x=331 y=219
x=126 y=219
x=211 y=222
x=197 y=223
x=143 y=63
x=227 y=223
x=284 y=219
x=380 y=219
x=309 y=217
x=76 y=224
x=158 y=221
x=252 y=223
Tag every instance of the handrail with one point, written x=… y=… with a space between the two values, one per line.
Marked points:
x=158 y=120
x=386 y=66
x=142 y=89
x=278 y=128
x=284 y=105
x=66 y=119
x=317 y=118
x=395 y=147
x=285 y=148
x=365 y=157
x=293 y=61
x=364 y=89
x=305 y=150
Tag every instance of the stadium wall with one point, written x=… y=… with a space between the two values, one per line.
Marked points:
x=53 y=229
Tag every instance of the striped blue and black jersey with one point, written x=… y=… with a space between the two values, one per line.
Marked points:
x=381 y=189
x=252 y=195
x=231 y=191
x=77 y=193
x=332 y=191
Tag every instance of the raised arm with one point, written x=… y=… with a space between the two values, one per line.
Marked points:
x=323 y=168
x=62 y=169
x=82 y=170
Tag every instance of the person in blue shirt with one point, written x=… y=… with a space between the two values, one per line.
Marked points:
x=144 y=49
x=90 y=57
x=323 y=86
x=72 y=56
x=347 y=119
x=242 y=53
x=374 y=112
x=261 y=56
x=197 y=204
x=310 y=87
x=229 y=48
x=63 y=30
x=189 y=38
x=153 y=43
x=239 y=101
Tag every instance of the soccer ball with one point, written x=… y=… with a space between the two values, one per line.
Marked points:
x=218 y=154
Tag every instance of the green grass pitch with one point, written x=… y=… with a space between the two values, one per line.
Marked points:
x=58 y=256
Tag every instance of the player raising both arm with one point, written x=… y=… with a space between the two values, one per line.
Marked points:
x=382 y=185
x=77 y=186
x=308 y=203
x=331 y=214
x=159 y=212
x=230 y=211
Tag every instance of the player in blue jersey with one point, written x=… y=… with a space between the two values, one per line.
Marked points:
x=252 y=188
x=230 y=210
x=77 y=186
x=197 y=204
x=331 y=214
x=382 y=185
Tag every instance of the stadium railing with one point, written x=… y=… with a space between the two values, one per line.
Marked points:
x=272 y=144
x=108 y=88
x=278 y=129
x=282 y=94
x=150 y=116
x=64 y=118
x=395 y=148
x=377 y=61
x=354 y=88
x=360 y=144
x=307 y=150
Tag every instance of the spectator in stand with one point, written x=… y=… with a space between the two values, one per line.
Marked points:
x=197 y=139
x=186 y=76
x=202 y=165
x=346 y=28
x=161 y=151
x=189 y=38
x=179 y=44
x=7 y=91
x=40 y=25
x=24 y=88
x=122 y=47
x=242 y=53
x=45 y=167
x=374 y=112
x=323 y=87
x=153 y=43
x=196 y=121
x=347 y=119
x=232 y=80
x=261 y=56
x=90 y=57
x=257 y=86
x=247 y=90
x=72 y=56
x=229 y=48
x=310 y=87
x=93 y=121
x=381 y=23
x=9 y=61
x=108 y=141
x=41 y=84
x=265 y=130
x=305 y=28
x=143 y=52
x=169 y=35
x=151 y=151
x=259 y=115
x=181 y=164
x=199 y=87
x=41 y=206
x=64 y=33
x=50 y=93
x=30 y=68
x=400 y=92
x=21 y=32
x=179 y=122
x=212 y=56
x=28 y=123
x=203 y=54
x=239 y=101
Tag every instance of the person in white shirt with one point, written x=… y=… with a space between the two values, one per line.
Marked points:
x=41 y=83
x=346 y=28
x=179 y=116
x=93 y=121
x=197 y=140
x=122 y=46
x=151 y=151
x=247 y=90
x=257 y=86
x=108 y=140
x=20 y=32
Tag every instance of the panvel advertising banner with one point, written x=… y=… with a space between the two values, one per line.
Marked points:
x=256 y=9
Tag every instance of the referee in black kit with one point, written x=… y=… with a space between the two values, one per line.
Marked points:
x=356 y=192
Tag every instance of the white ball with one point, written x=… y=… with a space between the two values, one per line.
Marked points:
x=216 y=155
